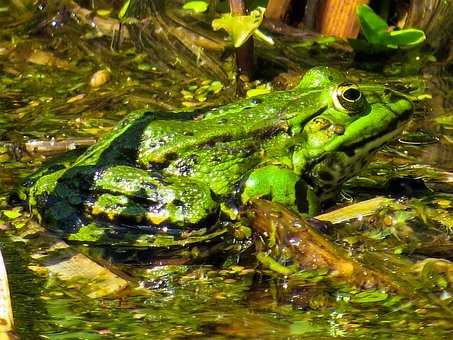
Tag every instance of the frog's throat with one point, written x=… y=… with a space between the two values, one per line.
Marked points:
x=343 y=164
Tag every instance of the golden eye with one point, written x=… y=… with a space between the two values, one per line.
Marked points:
x=348 y=97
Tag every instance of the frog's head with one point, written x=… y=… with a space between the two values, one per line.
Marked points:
x=351 y=122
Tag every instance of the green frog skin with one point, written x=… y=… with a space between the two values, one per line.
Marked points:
x=176 y=174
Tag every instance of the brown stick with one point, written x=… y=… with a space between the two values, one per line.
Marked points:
x=277 y=9
x=52 y=147
x=6 y=312
x=337 y=17
x=105 y=26
x=245 y=61
x=312 y=250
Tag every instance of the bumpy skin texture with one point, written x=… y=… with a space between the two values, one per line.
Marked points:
x=169 y=174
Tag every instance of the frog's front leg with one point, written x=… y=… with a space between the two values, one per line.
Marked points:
x=281 y=185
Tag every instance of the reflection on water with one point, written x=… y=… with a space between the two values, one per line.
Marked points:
x=44 y=93
x=439 y=155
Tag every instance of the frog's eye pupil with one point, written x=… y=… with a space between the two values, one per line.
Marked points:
x=348 y=97
x=352 y=94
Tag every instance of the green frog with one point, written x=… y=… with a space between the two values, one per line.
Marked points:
x=163 y=179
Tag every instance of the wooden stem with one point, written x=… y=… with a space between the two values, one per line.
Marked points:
x=277 y=9
x=337 y=17
x=244 y=55
x=6 y=312
x=237 y=7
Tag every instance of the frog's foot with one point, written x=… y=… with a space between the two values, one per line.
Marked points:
x=280 y=185
x=56 y=202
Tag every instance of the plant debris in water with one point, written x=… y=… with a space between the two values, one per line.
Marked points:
x=69 y=73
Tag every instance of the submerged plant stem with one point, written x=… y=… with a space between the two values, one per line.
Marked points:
x=245 y=54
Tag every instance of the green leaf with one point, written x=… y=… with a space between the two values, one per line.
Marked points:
x=269 y=262
x=216 y=86
x=19 y=225
x=446 y=120
x=88 y=233
x=408 y=37
x=369 y=296
x=196 y=6
x=263 y=37
x=123 y=9
x=305 y=327
x=12 y=214
x=257 y=92
x=260 y=89
x=239 y=27
x=104 y=12
x=379 y=234
x=374 y=28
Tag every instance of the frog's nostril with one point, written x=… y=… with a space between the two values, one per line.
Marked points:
x=338 y=129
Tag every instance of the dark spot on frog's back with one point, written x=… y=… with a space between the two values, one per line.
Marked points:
x=183 y=165
x=178 y=203
x=155 y=169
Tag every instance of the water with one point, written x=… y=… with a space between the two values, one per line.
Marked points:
x=47 y=61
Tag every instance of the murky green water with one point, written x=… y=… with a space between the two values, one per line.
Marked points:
x=47 y=59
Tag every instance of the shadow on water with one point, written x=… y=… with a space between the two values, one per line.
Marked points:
x=201 y=302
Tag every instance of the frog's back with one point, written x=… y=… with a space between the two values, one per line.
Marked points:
x=255 y=117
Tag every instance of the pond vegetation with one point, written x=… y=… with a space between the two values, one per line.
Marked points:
x=376 y=263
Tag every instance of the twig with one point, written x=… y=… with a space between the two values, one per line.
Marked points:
x=6 y=312
x=244 y=55
x=278 y=9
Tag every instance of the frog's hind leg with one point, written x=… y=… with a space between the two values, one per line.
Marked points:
x=125 y=193
x=99 y=204
x=172 y=199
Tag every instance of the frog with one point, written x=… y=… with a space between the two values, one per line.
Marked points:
x=162 y=179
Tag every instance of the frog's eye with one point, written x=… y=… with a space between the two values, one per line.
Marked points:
x=348 y=97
